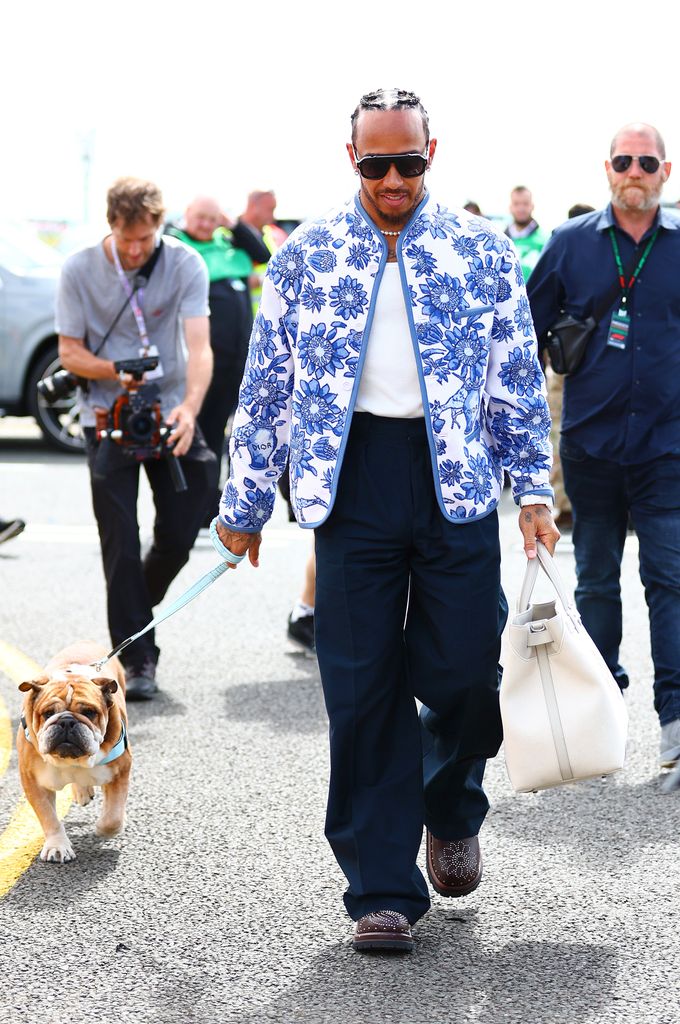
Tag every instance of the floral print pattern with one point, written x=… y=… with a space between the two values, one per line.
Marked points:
x=482 y=385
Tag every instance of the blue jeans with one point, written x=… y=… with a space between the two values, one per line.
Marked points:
x=603 y=494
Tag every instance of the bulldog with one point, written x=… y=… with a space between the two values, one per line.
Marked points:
x=74 y=730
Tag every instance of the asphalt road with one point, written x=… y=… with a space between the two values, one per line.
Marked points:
x=221 y=901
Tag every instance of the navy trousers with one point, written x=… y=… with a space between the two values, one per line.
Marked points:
x=407 y=606
x=602 y=495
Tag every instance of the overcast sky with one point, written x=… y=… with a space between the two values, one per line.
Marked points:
x=219 y=98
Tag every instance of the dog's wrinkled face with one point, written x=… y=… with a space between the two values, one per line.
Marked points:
x=69 y=714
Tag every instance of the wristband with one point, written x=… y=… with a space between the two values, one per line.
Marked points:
x=535 y=499
x=228 y=555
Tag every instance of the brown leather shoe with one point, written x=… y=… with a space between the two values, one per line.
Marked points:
x=454 y=868
x=383 y=929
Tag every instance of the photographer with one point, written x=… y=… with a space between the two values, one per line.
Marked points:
x=127 y=298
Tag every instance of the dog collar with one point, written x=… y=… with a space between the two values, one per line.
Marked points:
x=114 y=753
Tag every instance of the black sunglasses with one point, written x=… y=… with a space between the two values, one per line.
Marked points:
x=649 y=164
x=408 y=165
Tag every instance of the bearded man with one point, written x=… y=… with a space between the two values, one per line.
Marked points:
x=620 y=445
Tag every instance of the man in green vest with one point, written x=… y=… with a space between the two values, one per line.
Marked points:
x=229 y=249
x=523 y=229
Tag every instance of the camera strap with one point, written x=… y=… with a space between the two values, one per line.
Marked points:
x=135 y=295
x=199 y=586
x=140 y=282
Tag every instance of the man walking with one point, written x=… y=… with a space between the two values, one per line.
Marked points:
x=125 y=298
x=394 y=359
x=620 y=445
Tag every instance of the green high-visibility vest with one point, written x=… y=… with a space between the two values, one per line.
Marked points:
x=221 y=257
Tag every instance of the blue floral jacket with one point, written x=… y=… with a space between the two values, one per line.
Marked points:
x=483 y=389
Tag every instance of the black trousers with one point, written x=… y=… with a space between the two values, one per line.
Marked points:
x=408 y=606
x=221 y=400
x=231 y=320
x=133 y=586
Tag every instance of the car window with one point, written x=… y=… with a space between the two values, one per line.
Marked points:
x=21 y=253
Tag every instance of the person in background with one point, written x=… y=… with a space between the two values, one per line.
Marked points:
x=524 y=230
x=578 y=209
x=300 y=622
x=229 y=249
x=10 y=528
x=620 y=446
x=134 y=295
x=301 y=618
x=555 y=385
x=259 y=214
x=472 y=207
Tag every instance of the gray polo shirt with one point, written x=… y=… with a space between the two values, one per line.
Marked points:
x=91 y=294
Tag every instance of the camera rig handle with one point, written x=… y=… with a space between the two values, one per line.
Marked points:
x=177 y=474
x=174 y=465
x=136 y=367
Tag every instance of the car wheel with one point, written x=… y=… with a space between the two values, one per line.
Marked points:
x=60 y=420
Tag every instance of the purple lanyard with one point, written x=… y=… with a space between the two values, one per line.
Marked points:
x=132 y=296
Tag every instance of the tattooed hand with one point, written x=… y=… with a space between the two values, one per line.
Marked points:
x=238 y=543
x=536 y=523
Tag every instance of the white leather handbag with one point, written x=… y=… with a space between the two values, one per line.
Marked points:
x=564 y=717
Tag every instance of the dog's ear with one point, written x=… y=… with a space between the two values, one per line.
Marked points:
x=33 y=684
x=108 y=687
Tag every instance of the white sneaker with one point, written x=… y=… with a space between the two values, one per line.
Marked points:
x=669 y=747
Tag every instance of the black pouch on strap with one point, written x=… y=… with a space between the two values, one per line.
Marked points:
x=566 y=342
x=567 y=339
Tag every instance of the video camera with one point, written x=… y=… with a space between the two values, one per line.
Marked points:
x=134 y=421
x=57 y=386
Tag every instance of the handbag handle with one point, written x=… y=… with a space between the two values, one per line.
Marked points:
x=547 y=563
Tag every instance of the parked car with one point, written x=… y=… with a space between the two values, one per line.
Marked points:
x=29 y=271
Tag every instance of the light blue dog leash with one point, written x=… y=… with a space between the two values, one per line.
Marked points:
x=229 y=559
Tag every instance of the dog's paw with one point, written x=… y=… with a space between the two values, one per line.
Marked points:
x=57 y=850
x=107 y=827
x=82 y=794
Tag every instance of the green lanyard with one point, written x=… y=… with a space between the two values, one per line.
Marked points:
x=626 y=288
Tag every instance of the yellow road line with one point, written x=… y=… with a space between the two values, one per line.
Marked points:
x=18 y=667
x=5 y=737
x=23 y=837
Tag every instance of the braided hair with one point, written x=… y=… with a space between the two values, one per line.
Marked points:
x=390 y=99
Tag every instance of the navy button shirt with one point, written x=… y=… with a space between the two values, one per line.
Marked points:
x=621 y=405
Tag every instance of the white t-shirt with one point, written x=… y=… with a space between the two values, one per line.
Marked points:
x=389 y=379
